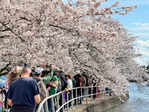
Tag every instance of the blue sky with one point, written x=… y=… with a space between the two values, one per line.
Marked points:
x=137 y=23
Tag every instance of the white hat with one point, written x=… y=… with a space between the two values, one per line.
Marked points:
x=38 y=70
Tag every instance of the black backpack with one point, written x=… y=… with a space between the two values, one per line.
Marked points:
x=86 y=79
x=63 y=81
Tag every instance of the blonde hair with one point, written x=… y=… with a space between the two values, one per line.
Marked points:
x=14 y=74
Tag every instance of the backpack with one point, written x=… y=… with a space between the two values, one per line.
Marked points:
x=63 y=82
x=79 y=80
x=74 y=82
x=42 y=89
x=59 y=87
x=85 y=79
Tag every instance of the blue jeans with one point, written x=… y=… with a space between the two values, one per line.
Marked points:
x=50 y=105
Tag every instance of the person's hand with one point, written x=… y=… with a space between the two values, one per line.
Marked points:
x=52 y=85
x=66 y=89
x=49 y=84
x=48 y=88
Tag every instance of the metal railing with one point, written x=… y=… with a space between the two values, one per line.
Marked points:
x=67 y=99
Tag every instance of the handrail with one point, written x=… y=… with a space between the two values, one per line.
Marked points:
x=66 y=98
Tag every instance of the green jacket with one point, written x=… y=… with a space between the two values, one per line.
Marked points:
x=52 y=91
x=45 y=80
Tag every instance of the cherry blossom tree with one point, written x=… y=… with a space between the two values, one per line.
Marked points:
x=75 y=36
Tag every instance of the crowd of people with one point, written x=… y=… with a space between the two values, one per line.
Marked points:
x=26 y=87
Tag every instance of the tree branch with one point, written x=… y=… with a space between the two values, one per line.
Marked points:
x=9 y=29
x=66 y=29
x=4 y=68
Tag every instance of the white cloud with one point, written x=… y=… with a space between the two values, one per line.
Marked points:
x=145 y=52
x=143 y=43
x=139 y=26
x=139 y=35
x=142 y=60
x=142 y=24
x=139 y=29
x=142 y=48
x=143 y=34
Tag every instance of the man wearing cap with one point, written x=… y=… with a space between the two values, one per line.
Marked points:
x=23 y=93
x=37 y=76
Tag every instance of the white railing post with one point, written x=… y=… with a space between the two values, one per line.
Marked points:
x=63 y=101
x=42 y=109
x=57 y=102
x=46 y=106
x=52 y=104
x=87 y=96
x=81 y=95
x=74 y=97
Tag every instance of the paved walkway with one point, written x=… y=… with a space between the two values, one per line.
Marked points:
x=86 y=103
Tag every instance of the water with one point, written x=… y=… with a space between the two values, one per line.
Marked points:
x=138 y=101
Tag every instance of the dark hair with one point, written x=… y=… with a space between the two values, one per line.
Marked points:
x=13 y=74
x=69 y=77
x=25 y=65
x=56 y=73
x=45 y=73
